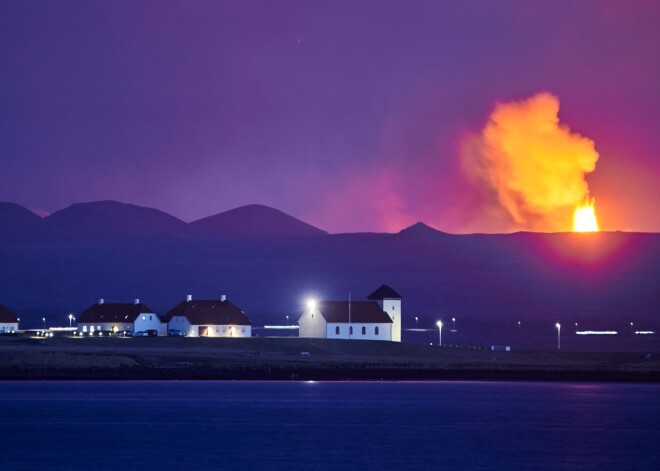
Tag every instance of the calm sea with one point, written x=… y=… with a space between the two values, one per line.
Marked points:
x=353 y=425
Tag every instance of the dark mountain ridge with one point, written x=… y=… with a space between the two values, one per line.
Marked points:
x=252 y=221
x=487 y=281
x=112 y=219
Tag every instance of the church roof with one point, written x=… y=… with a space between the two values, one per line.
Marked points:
x=362 y=312
x=113 y=312
x=384 y=292
x=209 y=312
x=6 y=315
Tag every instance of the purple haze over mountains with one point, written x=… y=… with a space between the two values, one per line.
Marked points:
x=268 y=263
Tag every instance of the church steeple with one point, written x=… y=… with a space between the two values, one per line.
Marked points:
x=390 y=302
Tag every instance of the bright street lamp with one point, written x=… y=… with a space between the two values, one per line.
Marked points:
x=558 y=335
x=416 y=322
x=453 y=320
x=287 y=320
x=70 y=319
x=439 y=324
x=44 y=319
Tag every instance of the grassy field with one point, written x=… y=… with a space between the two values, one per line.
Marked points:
x=291 y=358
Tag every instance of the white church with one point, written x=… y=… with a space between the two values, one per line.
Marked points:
x=379 y=318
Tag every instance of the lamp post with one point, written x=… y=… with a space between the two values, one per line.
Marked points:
x=287 y=320
x=416 y=322
x=631 y=327
x=558 y=335
x=439 y=324
x=70 y=319
x=453 y=321
x=44 y=319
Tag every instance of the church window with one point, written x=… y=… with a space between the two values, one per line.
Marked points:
x=350 y=330
x=364 y=330
x=376 y=330
x=337 y=330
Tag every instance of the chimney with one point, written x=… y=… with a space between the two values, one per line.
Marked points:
x=101 y=301
x=189 y=297
x=137 y=301
x=223 y=297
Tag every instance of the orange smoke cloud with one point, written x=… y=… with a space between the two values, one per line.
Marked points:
x=531 y=167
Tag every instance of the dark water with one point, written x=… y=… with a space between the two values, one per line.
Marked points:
x=273 y=425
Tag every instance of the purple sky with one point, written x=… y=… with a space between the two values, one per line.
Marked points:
x=348 y=115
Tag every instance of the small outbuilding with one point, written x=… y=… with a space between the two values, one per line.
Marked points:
x=119 y=317
x=8 y=321
x=208 y=318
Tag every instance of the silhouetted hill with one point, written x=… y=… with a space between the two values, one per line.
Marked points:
x=420 y=230
x=18 y=224
x=253 y=221
x=488 y=282
x=111 y=219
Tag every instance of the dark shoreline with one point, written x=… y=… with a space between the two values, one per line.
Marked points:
x=330 y=375
x=294 y=359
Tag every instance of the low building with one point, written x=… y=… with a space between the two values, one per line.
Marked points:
x=8 y=321
x=119 y=317
x=379 y=318
x=208 y=318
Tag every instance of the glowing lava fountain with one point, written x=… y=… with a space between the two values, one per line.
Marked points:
x=584 y=217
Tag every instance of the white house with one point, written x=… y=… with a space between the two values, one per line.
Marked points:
x=208 y=318
x=8 y=321
x=119 y=317
x=376 y=319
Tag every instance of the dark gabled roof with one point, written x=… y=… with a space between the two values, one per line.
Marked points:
x=7 y=316
x=362 y=312
x=384 y=292
x=113 y=312
x=209 y=312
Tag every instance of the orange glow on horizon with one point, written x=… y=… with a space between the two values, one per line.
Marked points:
x=584 y=217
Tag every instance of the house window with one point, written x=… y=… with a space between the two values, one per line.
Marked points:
x=350 y=330
x=243 y=329
x=364 y=330
x=84 y=328
x=337 y=330
x=150 y=318
x=376 y=330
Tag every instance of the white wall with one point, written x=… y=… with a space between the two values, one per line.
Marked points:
x=180 y=323
x=8 y=327
x=229 y=331
x=312 y=324
x=147 y=321
x=384 y=331
x=88 y=327
x=221 y=330
x=392 y=307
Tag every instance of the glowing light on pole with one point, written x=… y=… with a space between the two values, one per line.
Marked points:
x=44 y=319
x=439 y=324
x=558 y=335
x=70 y=319
x=416 y=322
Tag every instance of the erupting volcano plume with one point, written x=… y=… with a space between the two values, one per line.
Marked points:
x=532 y=168
x=584 y=217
